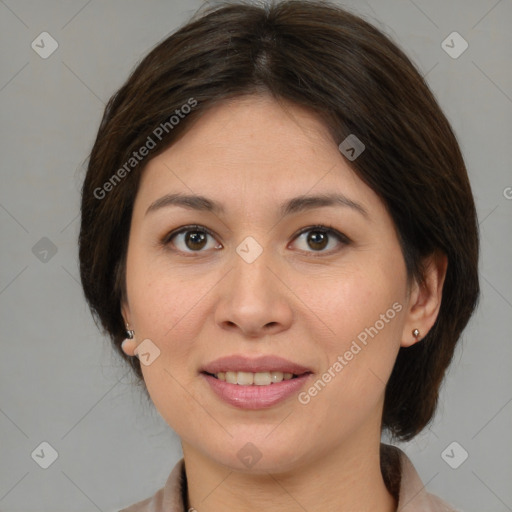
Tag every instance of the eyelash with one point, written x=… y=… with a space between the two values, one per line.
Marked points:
x=325 y=229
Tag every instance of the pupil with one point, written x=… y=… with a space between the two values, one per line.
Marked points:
x=317 y=238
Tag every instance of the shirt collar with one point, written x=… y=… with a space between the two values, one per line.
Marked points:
x=412 y=495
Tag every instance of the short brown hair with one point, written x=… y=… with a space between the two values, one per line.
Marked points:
x=319 y=56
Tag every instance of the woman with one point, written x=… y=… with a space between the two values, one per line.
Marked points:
x=278 y=222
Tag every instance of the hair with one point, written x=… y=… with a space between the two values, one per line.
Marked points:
x=321 y=57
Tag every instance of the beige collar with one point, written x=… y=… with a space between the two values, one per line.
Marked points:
x=413 y=497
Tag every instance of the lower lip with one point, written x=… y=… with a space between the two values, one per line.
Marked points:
x=255 y=397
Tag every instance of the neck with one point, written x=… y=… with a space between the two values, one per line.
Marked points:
x=348 y=478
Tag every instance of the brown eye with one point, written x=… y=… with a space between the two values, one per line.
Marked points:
x=195 y=240
x=191 y=239
x=318 y=238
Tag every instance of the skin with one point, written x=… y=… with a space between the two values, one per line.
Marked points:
x=298 y=300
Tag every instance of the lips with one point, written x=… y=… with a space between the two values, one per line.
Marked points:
x=239 y=363
x=254 y=383
x=255 y=397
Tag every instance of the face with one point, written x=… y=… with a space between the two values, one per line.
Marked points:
x=320 y=284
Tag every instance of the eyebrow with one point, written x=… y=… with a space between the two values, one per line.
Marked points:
x=295 y=205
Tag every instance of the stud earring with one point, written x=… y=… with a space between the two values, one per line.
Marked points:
x=415 y=333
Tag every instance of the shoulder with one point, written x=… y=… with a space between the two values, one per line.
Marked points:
x=140 y=506
x=152 y=504
x=167 y=499
x=410 y=491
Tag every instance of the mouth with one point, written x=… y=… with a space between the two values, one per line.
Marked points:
x=256 y=390
x=263 y=370
x=265 y=378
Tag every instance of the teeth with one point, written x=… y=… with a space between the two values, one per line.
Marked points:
x=257 y=379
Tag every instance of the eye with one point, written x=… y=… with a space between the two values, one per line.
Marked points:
x=191 y=239
x=319 y=238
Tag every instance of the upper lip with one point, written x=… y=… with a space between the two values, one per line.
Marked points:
x=269 y=363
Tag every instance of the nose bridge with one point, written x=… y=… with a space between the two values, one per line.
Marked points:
x=250 y=250
x=251 y=264
x=251 y=299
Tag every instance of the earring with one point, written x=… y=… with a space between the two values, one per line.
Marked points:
x=415 y=333
x=130 y=334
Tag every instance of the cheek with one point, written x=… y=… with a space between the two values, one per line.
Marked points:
x=161 y=299
x=350 y=302
x=165 y=309
x=363 y=310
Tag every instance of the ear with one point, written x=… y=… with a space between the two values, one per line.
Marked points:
x=425 y=299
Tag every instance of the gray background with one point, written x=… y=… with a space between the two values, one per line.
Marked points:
x=59 y=379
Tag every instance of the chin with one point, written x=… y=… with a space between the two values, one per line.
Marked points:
x=259 y=456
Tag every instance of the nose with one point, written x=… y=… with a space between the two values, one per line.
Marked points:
x=253 y=300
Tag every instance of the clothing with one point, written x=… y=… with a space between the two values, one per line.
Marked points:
x=411 y=493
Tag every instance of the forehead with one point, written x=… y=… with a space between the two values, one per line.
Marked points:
x=253 y=146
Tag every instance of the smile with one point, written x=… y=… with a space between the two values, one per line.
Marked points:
x=253 y=379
